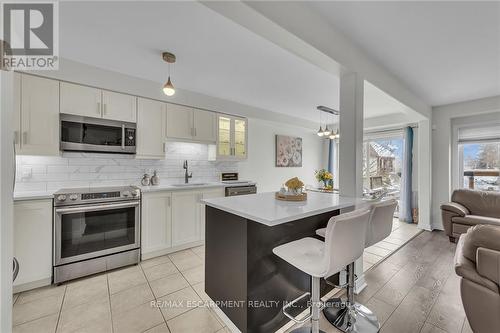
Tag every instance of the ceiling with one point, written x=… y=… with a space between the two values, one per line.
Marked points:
x=445 y=51
x=215 y=56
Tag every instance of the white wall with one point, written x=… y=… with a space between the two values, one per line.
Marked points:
x=442 y=116
x=260 y=166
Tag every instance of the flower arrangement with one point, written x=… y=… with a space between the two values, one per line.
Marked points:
x=325 y=177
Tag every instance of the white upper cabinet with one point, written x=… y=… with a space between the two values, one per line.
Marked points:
x=80 y=100
x=36 y=127
x=232 y=137
x=16 y=126
x=189 y=124
x=116 y=106
x=151 y=123
x=204 y=126
x=92 y=102
x=179 y=122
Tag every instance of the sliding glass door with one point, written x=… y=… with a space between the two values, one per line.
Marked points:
x=382 y=163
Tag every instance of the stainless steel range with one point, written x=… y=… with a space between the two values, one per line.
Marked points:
x=95 y=230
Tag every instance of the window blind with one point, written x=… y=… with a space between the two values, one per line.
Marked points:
x=479 y=134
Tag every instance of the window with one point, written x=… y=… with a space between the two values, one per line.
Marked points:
x=480 y=165
x=479 y=157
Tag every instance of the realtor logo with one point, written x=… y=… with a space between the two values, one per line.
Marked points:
x=30 y=35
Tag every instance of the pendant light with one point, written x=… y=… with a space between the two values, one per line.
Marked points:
x=327 y=131
x=334 y=135
x=168 y=88
x=320 y=131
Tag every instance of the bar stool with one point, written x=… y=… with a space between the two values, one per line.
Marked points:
x=344 y=242
x=359 y=318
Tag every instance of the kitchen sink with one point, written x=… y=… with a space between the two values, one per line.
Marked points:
x=189 y=184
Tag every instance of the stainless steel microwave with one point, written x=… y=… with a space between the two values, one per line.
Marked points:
x=97 y=135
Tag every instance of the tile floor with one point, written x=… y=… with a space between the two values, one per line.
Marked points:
x=401 y=233
x=120 y=301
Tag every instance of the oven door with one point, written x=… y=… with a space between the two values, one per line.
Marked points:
x=90 y=231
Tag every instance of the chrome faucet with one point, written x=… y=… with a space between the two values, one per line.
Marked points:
x=186 y=174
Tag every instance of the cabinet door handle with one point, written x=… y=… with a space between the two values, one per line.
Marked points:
x=104 y=109
x=98 y=108
x=169 y=201
x=123 y=135
x=194 y=131
x=25 y=137
x=164 y=149
x=16 y=137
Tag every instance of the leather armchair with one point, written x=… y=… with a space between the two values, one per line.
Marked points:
x=477 y=262
x=468 y=208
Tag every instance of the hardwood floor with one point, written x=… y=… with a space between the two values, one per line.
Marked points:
x=415 y=290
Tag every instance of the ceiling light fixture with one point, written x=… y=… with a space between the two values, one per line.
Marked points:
x=168 y=88
x=326 y=132
x=320 y=131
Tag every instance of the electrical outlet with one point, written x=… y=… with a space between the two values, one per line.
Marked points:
x=26 y=172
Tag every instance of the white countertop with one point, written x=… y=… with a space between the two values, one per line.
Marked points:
x=265 y=209
x=170 y=187
x=35 y=195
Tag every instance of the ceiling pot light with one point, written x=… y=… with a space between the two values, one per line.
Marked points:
x=168 y=88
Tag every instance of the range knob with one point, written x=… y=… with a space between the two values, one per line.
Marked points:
x=126 y=193
x=61 y=197
x=73 y=197
x=135 y=193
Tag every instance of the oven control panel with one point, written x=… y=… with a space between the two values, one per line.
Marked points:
x=103 y=195
x=95 y=195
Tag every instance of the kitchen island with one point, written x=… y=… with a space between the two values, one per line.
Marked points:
x=242 y=275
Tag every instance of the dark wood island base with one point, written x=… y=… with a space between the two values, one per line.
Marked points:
x=243 y=276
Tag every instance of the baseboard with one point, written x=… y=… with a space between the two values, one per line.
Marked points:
x=31 y=285
x=162 y=252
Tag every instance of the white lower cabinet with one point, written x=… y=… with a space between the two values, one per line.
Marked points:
x=214 y=193
x=173 y=220
x=156 y=220
x=186 y=219
x=33 y=243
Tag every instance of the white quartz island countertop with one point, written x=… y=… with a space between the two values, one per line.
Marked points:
x=266 y=209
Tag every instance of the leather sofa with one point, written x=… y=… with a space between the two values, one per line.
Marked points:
x=468 y=208
x=477 y=262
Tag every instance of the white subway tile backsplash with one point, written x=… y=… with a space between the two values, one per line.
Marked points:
x=74 y=169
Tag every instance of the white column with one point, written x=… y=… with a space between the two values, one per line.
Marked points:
x=351 y=148
x=424 y=174
x=6 y=204
x=351 y=135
